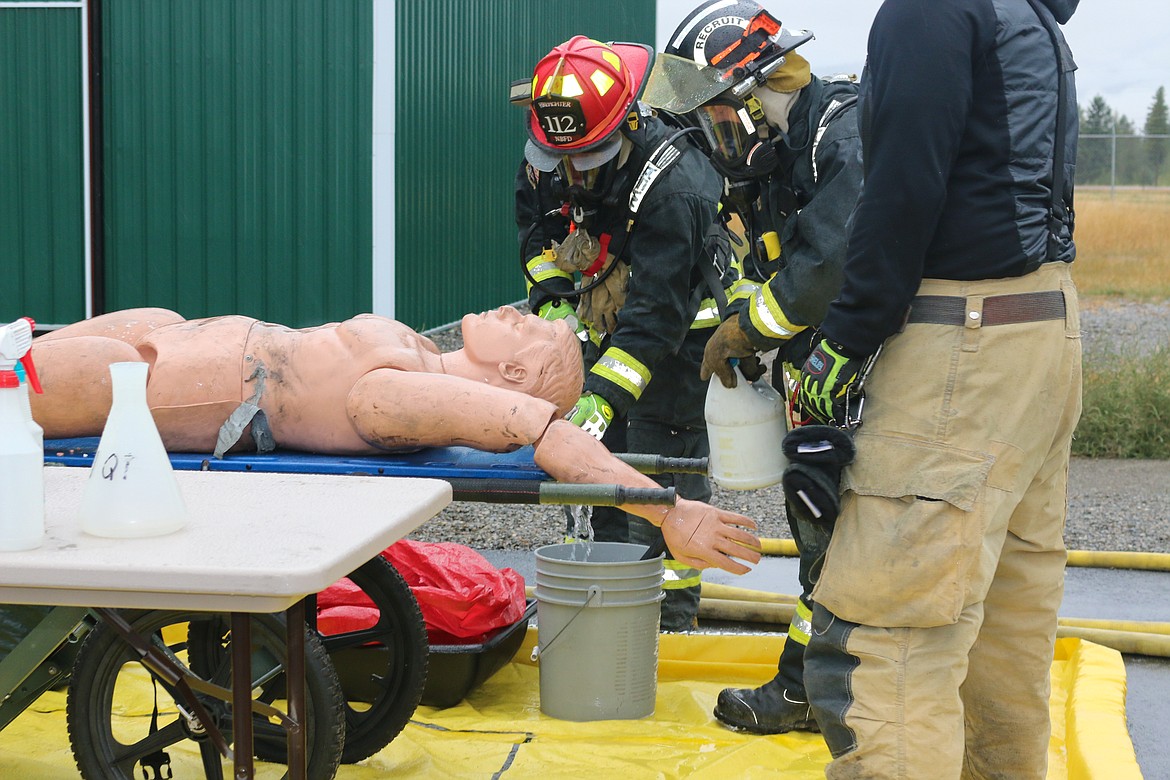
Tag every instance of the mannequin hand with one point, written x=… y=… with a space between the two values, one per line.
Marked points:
x=825 y=380
x=559 y=310
x=702 y=536
x=592 y=414
x=727 y=342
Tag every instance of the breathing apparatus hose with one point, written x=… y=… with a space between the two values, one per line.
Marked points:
x=564 y=295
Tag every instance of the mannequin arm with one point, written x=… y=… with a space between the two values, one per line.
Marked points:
x=696 y=533
x=396 y=410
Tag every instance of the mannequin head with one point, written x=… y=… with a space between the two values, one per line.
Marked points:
x=526 y=353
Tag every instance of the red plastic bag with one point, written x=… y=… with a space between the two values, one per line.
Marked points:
x=463 y=597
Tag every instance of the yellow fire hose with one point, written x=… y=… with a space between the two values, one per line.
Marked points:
x=731 y=603
x=1099 y=559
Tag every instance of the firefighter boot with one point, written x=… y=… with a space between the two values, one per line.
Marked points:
x=776 y=707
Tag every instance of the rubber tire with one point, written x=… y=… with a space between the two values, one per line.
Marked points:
x=401 y=671
x=90 y=700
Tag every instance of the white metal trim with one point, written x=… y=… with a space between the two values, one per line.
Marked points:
x=382 y=166
x=86 y=201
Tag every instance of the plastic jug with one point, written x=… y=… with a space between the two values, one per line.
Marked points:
x=22 y=514
x=131 y=490
x=22 y=458
x=745 y=428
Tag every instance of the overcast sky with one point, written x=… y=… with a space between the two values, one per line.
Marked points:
x=1121 y=47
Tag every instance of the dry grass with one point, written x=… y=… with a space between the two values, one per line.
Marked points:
x=1123 y=243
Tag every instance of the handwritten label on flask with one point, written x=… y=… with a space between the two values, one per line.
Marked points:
x=131 y=490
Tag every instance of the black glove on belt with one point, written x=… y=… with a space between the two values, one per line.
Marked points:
x=816 y=454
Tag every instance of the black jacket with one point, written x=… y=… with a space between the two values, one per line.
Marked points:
x=958 y=121
x=666 y=284
x=810 y=208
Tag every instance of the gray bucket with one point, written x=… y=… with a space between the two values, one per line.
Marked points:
x=597 y=610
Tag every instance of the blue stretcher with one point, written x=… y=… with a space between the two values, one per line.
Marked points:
x=475 y=475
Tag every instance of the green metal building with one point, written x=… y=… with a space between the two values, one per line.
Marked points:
x=299 y=161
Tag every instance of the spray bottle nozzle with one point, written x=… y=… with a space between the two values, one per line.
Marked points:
x=15 y=346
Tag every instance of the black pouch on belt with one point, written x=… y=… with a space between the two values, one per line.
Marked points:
x=816 y=454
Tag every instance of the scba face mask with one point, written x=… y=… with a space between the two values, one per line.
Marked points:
x=737 y=151
x=585 y=192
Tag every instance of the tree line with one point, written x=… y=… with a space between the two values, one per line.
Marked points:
x=1113 y=151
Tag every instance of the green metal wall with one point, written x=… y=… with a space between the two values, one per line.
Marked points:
x=237 y=143
x=42 y=237
x=459 y=142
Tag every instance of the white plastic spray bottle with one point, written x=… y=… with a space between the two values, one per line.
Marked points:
x=22 y=457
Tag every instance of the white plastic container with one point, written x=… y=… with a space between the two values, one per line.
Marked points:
x=38 y=433
x=22 y=482
x=131 y=490
x=745 y=428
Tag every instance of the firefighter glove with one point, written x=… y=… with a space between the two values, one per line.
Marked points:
x=592 y=414
x=559 y=310
x=825 y=381
x=600 y=306
x=727 y=342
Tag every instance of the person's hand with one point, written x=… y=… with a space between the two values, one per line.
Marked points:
x=559 y=310
x=702 y=536
x=825 y=380
x=592 y=414
x=727 y=342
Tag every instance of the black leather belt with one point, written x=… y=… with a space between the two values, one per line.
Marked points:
x=997 y=309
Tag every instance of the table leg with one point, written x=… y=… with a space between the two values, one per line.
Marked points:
x=295 y=680
x=242 y=695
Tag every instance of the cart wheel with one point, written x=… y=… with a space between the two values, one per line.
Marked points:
x=120 y=718
x=382 y=668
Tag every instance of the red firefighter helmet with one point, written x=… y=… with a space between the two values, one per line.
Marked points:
x=582 y=91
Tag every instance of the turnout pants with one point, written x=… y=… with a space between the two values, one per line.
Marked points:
x=935 y=617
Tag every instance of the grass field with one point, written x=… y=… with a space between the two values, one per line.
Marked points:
x=1123 y=253
x=1123 y=243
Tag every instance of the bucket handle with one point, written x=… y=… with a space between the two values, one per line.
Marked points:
x=537 y=650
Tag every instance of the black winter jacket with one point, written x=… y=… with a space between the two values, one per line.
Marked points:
x=958 y=121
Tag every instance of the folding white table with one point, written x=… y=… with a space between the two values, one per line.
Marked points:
x=254 y=543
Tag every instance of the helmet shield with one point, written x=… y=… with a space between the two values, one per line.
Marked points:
x=678 y=85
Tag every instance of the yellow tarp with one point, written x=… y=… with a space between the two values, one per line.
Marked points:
x=500 y=732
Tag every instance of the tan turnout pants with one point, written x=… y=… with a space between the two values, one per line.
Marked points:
x=933 y=635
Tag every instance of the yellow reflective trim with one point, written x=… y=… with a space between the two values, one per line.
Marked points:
x=677 y=575
x=708 y=316
x=602 y=81
x=800 y=628
x=742 y=289
x=768 y=318
x=612 y=58
x=570 y=87
x=623 y=370
x=545 y=270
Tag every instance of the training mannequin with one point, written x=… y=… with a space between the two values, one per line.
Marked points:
x=362 y=386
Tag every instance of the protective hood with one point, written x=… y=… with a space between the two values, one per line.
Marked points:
x=1062 y=10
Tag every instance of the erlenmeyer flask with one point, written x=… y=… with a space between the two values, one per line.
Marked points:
x=131 y=490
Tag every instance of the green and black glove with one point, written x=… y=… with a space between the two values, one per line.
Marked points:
x=592 y=414
x=559 y=310
x=825 y=380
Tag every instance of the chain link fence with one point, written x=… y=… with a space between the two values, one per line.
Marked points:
x=1113 y=160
